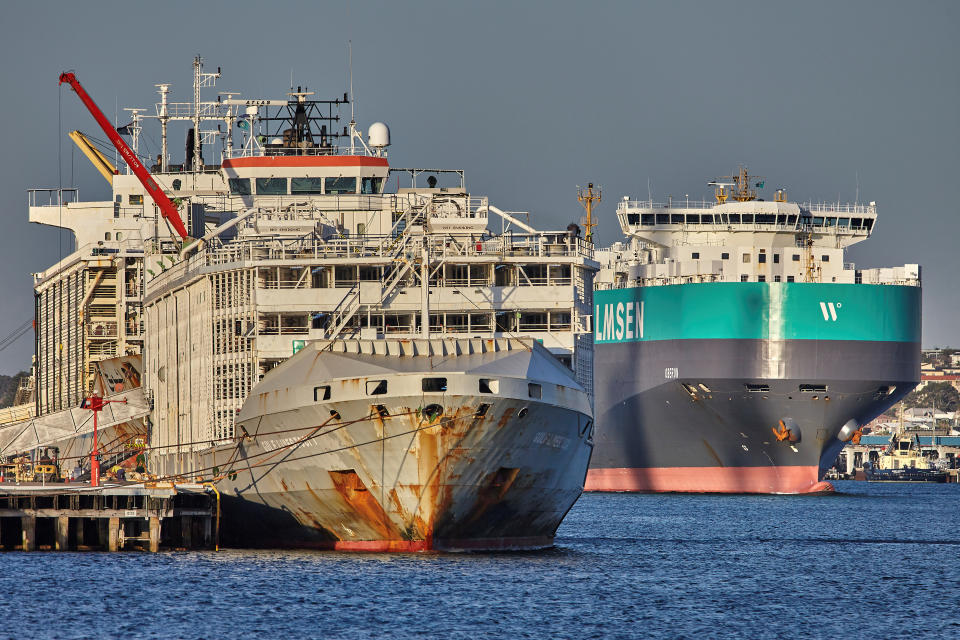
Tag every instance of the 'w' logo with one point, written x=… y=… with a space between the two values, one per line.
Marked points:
x=829 y=310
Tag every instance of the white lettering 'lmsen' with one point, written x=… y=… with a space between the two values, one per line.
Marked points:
x=608 y=322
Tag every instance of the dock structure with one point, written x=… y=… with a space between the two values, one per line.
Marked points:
x=936 y=446
x=78 y=517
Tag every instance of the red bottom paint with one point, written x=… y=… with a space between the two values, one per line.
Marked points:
x=709 y=480
x=411 y=546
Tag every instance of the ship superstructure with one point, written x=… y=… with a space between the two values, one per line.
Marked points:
x=736 y=350
x=300 y=231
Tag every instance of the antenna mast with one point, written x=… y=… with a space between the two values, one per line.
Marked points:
x=353 y=122
x=587 y=197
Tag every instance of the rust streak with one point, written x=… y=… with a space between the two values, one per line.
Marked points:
x=349 y=485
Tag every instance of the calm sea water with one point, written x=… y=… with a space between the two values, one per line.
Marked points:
x=873 y=561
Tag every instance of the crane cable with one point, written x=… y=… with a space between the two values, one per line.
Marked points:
x=16 y=334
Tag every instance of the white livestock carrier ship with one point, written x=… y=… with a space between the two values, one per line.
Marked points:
x=303 y=232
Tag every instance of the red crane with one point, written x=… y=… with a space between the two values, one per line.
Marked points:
x=167 y=210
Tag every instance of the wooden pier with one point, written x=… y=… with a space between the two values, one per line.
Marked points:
x=78 y=517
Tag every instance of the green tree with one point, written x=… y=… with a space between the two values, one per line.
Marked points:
x=941 y=395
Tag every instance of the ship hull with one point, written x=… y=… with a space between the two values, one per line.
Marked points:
x=403 y=482
x=703 y=414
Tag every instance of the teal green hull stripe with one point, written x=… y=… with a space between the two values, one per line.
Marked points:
x=758 y=311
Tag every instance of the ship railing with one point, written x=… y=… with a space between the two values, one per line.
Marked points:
x=533 y=326
x=273 y=330
x=398 y=328
x=301 y=283
x=280 y=204
x=52 y=197
x=258 y=150
x=625 y=205
x=822 y=228
x=838 y=207
x=813 y=207
x=374 y=246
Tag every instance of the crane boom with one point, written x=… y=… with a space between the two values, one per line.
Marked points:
x=167 y=210
x=99 y=161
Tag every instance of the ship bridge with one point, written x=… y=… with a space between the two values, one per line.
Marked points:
x=664 y=224
x=738 y=237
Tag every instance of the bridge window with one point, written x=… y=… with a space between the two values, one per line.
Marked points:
x=633 y=218
x=663 y=218
x=646 y=218
x=766 y=218
x=706 y=218
x=857 y=223
x=829 y=222
x=341 y=185
x=307 y=186
x=239 y=186
x=371 y=185
x=271 y=186
x=818 y=221
x=868 y=223
x=733 y=218
x=693 y=218
x=747 y=218
x=676 y=218
x=843 y=222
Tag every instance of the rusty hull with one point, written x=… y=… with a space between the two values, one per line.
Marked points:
x=405 y=482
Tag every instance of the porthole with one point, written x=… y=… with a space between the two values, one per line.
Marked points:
x=523 y=413
x=334 y=414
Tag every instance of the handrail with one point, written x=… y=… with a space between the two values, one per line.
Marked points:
x=634 y=206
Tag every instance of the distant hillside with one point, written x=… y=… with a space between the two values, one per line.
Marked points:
x=8 y=387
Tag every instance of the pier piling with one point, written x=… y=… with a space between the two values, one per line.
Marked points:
x=109 y=518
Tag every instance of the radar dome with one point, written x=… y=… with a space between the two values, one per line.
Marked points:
x=378 y=135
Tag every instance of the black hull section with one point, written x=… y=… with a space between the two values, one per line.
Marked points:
x=728 y=397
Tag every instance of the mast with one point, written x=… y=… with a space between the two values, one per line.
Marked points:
x=164 y=117
x=587 y=197
x=197 y=67
x=425 y=290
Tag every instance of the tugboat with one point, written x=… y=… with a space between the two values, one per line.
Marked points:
x=903 y=461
